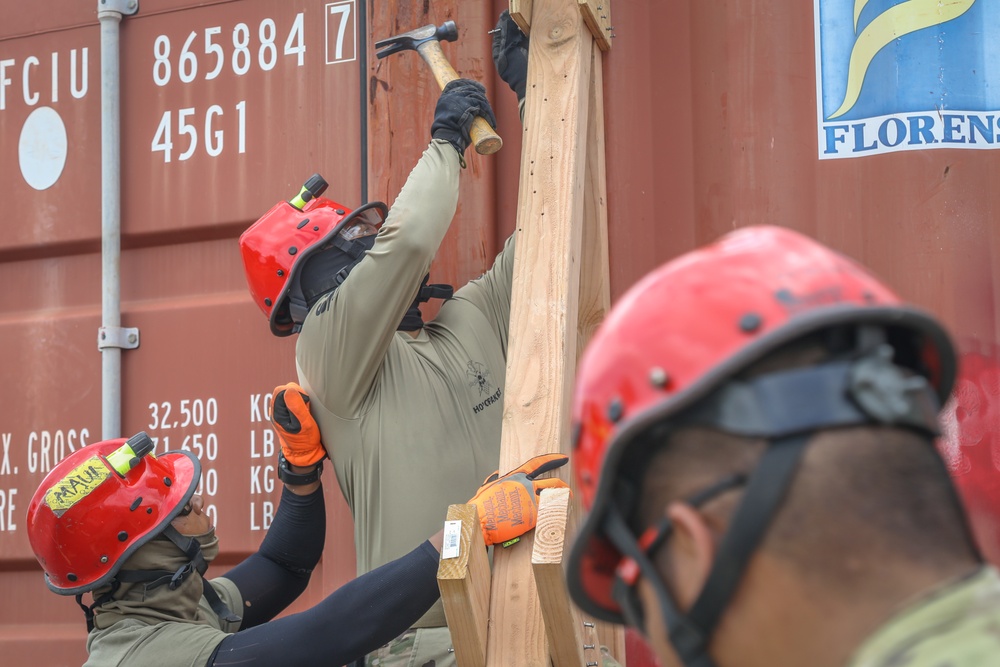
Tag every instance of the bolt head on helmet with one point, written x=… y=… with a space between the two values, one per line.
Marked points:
x=276 y=247
x=95 y=509
x=690 y=326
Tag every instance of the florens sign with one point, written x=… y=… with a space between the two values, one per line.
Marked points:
x=897 y=75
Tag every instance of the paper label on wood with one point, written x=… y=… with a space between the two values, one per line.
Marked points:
x=451 y=544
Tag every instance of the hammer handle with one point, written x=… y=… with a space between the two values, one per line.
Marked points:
x=484 y=138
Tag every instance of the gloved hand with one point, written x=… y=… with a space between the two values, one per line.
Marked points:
x=460 y=102
x=297 y=430
x=508 y=505
x=510 y=54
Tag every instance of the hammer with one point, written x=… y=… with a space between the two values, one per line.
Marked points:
x=427 y=42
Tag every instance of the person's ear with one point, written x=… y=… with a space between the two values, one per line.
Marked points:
x=692 y=550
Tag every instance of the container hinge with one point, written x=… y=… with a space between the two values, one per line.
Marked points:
x=123 y=7
x=127 y=338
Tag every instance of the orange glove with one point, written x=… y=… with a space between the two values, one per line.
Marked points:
x=297 y=430
x=508 y=505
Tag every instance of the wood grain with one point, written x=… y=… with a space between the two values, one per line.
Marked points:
x=562 y=625
x=465 y=588
x=520 y=11
x=544 y=299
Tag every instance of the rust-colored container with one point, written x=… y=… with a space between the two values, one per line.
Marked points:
x=736 y=112
x=225 y=109
x=719 y=114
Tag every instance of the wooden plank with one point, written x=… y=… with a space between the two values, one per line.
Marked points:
x=520 y=11
x=464 y=580
x=544 y=300
x=595 y=295
x=595 y=286
x=562 y=626
x=597 y=15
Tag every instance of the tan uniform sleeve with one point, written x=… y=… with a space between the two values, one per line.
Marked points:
x=491 y=292
x=346 y=335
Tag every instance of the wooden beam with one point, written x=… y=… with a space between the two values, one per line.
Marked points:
x=544 y=299
x=520 y=11
x=595 y=288
x=464 y=579
x=597 y=14
x=562 y=626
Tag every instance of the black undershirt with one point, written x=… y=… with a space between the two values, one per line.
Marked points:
x=354 y=620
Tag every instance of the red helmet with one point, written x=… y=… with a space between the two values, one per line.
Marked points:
x=684 y=331
x=100 y=504
x=274 y=249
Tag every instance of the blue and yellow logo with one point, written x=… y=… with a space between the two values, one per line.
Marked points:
x=895 y=75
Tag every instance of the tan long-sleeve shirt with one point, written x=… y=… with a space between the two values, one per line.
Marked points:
x=412 y=425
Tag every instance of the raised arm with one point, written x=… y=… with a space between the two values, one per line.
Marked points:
x=351 y=328
x=279 y=572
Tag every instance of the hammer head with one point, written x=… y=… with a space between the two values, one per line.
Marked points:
x=446 y=32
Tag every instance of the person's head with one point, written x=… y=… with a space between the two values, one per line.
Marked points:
x=761 y=400
x=109 y=501
x=297 y=252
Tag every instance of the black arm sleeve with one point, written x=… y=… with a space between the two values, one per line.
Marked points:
x=355 y=619
x=276 y=575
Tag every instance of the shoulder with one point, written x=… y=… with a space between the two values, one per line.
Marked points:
x=169 y=644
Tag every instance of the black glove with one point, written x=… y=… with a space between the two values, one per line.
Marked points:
x=510 y=54
x=460 y=102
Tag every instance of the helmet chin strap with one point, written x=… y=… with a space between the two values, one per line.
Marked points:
x=786 y=408
x=171 y=578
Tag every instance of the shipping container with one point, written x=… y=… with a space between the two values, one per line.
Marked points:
x=718 y=114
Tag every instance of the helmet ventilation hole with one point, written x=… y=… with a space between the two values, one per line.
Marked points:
x=615 y=409
x=750 y=322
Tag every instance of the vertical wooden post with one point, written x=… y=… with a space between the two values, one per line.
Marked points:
x=544 y=300
x=595 y=286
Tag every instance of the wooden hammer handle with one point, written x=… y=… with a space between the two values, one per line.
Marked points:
x=484 y=138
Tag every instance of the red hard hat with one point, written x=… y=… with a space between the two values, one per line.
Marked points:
x=100 y=504
x=275 y=247
x=687 y=328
